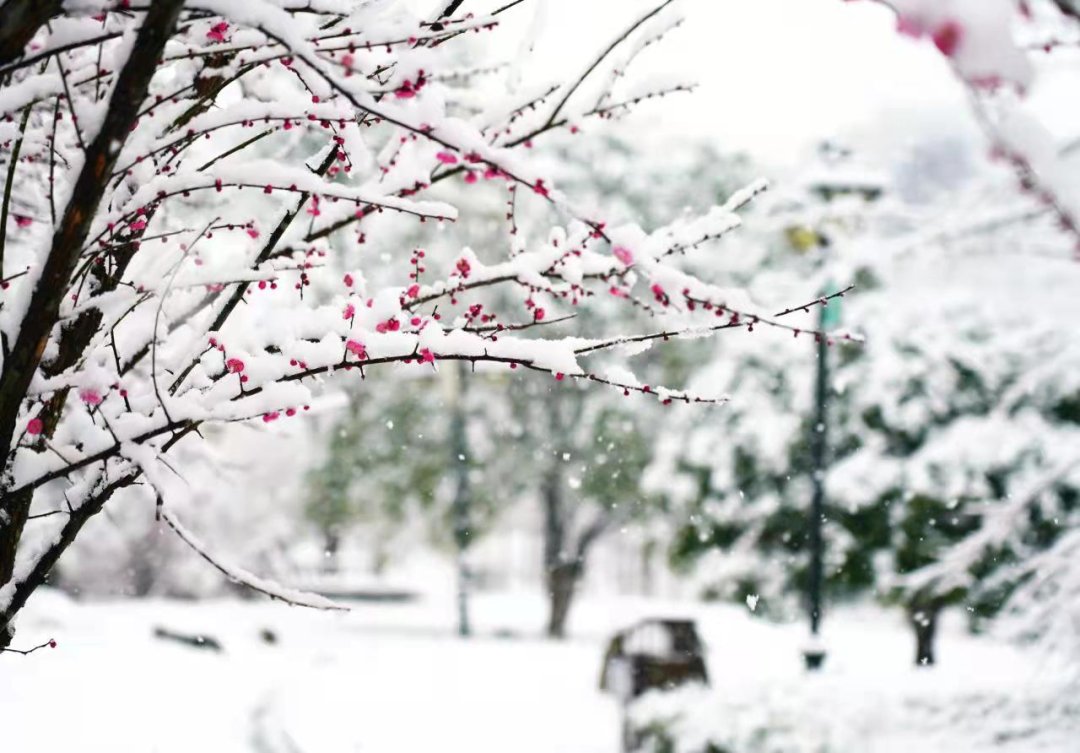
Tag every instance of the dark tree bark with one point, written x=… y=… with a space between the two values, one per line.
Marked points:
x=131 y=87
x=20 y=365
x=562 y=580
x=19 y=22
x=1069 y=8
x=47 y=561
x=561 y=571
x=565 y=552
x=565 y=555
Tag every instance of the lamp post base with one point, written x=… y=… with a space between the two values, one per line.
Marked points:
x=814 y=658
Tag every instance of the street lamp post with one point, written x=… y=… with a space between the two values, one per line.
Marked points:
x=828 y=319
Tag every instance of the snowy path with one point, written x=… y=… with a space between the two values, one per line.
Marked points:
x=379 y=680
x=394 y=679
x=428 y=693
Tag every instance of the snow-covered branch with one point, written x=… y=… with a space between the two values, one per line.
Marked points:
x=191 y=189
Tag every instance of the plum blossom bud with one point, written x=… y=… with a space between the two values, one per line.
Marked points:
x=90 y=396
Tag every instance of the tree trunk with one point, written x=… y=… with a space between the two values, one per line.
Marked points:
x=144 y=565
x=562 y=580
x=923 y=617
x=648 y=567
x=564 y=552
x=332 y=543
x=559 y=574
x=20 y=20
x=559 y=577
x=24 y=358
x=44 y=564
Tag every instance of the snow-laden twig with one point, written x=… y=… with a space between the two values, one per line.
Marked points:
x=242 y=577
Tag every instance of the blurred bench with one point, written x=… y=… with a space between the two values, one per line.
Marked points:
x=654 y=654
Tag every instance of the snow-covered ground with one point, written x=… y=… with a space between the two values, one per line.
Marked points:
x=393 y=678
x=388 y=678
x=983 y=696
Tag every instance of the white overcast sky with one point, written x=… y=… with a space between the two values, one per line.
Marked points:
x=776 y=76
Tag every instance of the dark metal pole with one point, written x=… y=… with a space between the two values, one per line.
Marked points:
x=462 y=523
x=815 y=655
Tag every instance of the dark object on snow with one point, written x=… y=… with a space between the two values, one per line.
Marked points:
x=654 y=654
x=651 y=655
x=193 y=640
x=268 y=636
x=814 y=658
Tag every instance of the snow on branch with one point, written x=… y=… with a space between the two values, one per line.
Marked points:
x=190 y=188
x=242 y=577
x=1001 y=525
x=979 y=40
x=575 y=83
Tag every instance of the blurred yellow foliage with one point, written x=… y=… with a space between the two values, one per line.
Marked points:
x=803 y=238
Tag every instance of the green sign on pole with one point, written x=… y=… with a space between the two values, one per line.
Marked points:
x=830 y=312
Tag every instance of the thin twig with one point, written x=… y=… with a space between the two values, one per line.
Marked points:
x=12 y=166
x=47 y=644
x=600 y=58
x=822 y=301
